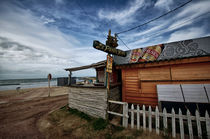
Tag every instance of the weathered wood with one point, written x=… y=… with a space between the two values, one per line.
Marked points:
x=165 y=123
x=132 y=116
x=191 y=71
x=116 y=102
x=115 y=113
x=198 y=123
x=173 y=122
x=144 y=118
x=156 y=73
x=189 y=124
x=125 y=115
x=181 y=124
x=150 y=119
x=138 y=117
x=98 y=45
x=207 y=124
x=157 y=124
x=91 y=101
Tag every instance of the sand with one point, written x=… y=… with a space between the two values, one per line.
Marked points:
x=30 y=94
x=21 y=111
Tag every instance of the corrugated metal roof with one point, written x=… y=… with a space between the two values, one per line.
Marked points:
x=171 y=51
x=156 y=61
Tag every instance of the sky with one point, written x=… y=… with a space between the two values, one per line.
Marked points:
x=38 y=37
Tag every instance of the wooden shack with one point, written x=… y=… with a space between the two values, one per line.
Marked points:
x=183 y=62
x=92 y=98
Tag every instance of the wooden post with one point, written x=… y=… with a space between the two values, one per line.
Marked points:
x=189 y=124
x=132 y=116
x=49 y=78
x=144 y=118
x=165 y=123
x=207 y=124
x=181 y=124
x=197 y=115
x=138 y=117
x=173 y=124
x=125 y=115
x=69 y=78
x=157 y=124
x=150 y=119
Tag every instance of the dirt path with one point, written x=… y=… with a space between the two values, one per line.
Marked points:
x=18 y=119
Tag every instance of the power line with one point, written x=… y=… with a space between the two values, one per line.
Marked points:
x=155 y=18
x=123 y=42
x=165 y=30
x=97 y=25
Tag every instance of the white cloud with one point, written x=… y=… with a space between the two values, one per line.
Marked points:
x=189 y=33
x=164 y=4
x=184 y=18
x=46 y=49
x=47 y=20
x=194 y=9
x=124 y=16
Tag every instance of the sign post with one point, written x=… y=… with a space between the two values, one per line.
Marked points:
x=109 y=48
x=49 y=78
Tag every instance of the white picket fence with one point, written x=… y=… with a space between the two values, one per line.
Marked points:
x=149 y=114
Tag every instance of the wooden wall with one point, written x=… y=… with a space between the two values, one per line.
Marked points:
x=139 y=84
x=92 y=101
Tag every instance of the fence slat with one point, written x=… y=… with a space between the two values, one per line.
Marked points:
x=157 y=124
x=138 y=117
x=132 y=116
x=173 y=124
x=197 y=115
x=207 y=124
x=144 y=118
x=165 y=124
x=181 y=124
x=150 y=119
x=189 y=124
x=125 y=115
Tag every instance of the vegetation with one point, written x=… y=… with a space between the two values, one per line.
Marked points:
x=71 y=123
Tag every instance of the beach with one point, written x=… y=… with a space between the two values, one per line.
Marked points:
x=21 y=110
x=7 y=96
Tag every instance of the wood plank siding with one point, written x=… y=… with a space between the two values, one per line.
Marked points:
x=139 y=83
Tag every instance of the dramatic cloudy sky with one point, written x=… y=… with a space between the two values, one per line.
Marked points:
x=38 y=37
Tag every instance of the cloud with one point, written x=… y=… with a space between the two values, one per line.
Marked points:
x=164 y=4
x=185 y=34
x=29 y=46
x=124 y=16
x=184 y=20
x=59 y=1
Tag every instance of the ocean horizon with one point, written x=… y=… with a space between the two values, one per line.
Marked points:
x=12 y=84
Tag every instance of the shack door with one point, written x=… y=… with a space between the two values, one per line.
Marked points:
x=130 y=85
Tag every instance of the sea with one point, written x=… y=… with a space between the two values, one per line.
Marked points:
x=12 y=84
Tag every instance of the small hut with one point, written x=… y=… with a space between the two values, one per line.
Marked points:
x=92 y=98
